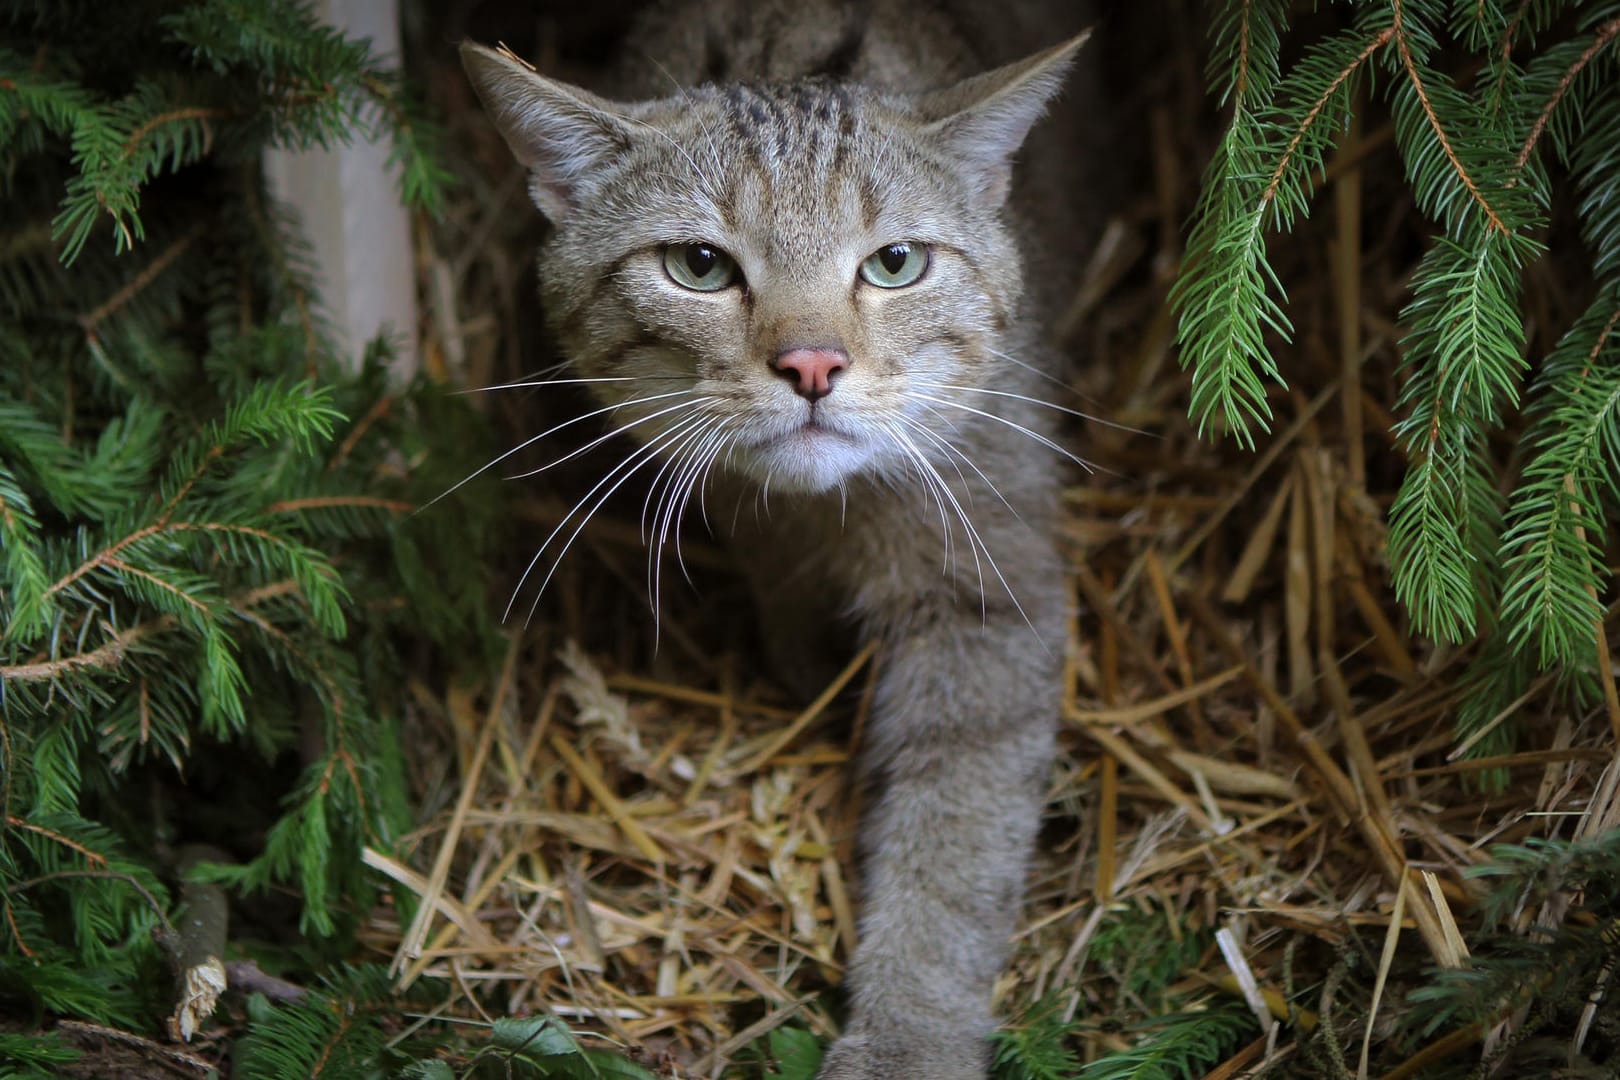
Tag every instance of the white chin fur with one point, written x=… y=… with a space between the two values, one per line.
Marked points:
x=806 y=460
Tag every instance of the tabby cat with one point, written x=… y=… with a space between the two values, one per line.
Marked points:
x=786 y=253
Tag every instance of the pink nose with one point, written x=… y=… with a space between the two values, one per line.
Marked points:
x=811 y=370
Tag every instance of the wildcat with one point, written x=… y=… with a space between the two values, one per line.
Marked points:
x=791 y=250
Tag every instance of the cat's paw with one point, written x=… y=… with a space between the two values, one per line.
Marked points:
x=868 y=1057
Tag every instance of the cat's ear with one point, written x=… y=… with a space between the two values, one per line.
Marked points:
x=560 y=133
x=983 y=120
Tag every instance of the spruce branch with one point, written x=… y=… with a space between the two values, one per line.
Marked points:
x=1245 y=47
x=1551 y=547
x=1338 y=79
x=1224 y=294
x=1595 y=162
x=23 y=578
x=95 y=859
x=1423 y=95
x=1464 y=359
x=1504 y=74
x=173 y=513
x=104 y=657
x=329 y=502
x=1604 y=34
x=90 y=320
x=131 y=880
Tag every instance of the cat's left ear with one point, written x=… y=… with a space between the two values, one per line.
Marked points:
x=561 y=133
x=983 y=120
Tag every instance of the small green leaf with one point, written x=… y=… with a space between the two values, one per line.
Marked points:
x=608 y=1065
x=797 y=1053
x=541 y=1035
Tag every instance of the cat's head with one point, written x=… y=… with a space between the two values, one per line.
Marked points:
x=780 y=276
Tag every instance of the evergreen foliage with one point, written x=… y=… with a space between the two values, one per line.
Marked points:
x=1036 y=1048
x=204 y=575
x=346 y=1028
x=1178 y=1047
x=1535 y=120
x=1556 y=971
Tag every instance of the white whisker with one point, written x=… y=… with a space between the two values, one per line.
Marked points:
x=727 y=445
x=915 y=458
x=678 y=455
x=563 y=382
x=1029 y=367
x=696 y=172
x=531 y=441
x=695 y=465
x=1042 y=439
x=1043 y=404
x=629 y=466
x=698 y=478
x=620 y=430
x=976 y=539
x=714 y=153
x=951 y=451
x=664 y=470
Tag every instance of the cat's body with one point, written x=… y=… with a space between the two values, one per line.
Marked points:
x=797 y=252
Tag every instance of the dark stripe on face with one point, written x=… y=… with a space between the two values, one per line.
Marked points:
x=749 y=114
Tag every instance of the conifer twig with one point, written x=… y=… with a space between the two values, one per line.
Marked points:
x=132 y=288
x=329 y=502
x=95 y=859
x=106 y=656
x=107 y=554
x=1309 y=120
x=107 y=875
x=1401 y=43
x=1602 y=37
x=162 y=1055
x=203 y=113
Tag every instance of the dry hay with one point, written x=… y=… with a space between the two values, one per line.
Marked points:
x=653 y=844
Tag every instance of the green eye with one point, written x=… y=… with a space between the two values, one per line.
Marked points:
x=700 y=267
x=895 y=266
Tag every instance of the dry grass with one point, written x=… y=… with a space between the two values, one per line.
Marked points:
x=655 y=845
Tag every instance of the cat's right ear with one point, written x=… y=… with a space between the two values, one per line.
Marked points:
x=983 y=120
x=560 y=133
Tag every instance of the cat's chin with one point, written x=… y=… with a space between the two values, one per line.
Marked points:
x=808 y=460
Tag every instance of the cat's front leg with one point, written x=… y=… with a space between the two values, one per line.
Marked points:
x=957 y=758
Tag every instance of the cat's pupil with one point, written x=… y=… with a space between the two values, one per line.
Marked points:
x=894 y=257
x=700 y=259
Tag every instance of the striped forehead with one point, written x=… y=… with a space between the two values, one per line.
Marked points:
x=807 y=124
x=797 y=192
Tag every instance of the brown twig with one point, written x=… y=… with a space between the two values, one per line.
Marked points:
x=378 y=410
x=137 y=284
x=1434 y=123
x=328 y=502
x=106 y=656
x=95 y=859
x=1602 y=37
x=109 y=554
x=245 y=977
x=166 y=1056
x=174 y=116
x=1504 y=48
x=105 y=875
x=1378 y=41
